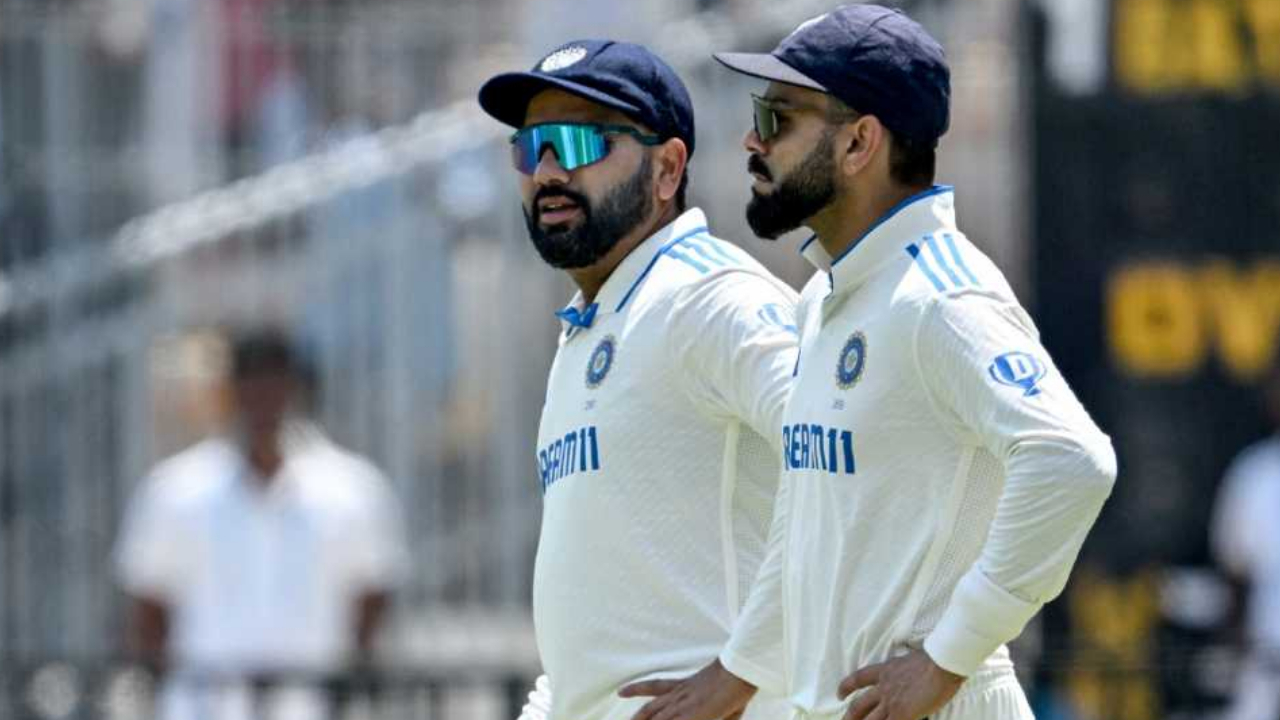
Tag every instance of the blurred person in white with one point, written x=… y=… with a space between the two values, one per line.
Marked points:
x=1245 y=534
x=268 y=552
x=657 y=458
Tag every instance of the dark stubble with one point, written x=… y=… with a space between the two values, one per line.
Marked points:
x=799 y=196
x=568 y=247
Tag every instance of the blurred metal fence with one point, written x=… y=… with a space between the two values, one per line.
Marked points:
x=390 y=242
x=1186 y=683
x=352 y=249
x=124 y=691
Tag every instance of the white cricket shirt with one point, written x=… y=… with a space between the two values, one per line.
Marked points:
x=657 y=467
x=261 y=578
x=939 y=475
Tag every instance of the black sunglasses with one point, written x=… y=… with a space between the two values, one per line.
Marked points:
x=765 y=116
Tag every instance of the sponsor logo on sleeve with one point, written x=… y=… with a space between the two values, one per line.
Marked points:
x=1020 y=370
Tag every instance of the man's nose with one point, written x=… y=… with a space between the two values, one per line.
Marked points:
x=549 y=170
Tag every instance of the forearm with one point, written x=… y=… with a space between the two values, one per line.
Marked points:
x=1054 y=490
x=371 y=611
x=148 y=630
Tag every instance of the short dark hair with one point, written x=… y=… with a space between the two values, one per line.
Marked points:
x=910 y=163
x=264 y=350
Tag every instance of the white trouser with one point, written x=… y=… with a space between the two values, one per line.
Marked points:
x=989 y=694
x=761 y=707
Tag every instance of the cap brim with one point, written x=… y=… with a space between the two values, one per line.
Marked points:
x=766 y=67
x=506 y=97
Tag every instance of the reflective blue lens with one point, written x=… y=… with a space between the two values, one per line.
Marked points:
x=574 y=144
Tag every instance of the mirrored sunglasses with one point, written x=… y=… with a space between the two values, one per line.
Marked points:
x=575 y=144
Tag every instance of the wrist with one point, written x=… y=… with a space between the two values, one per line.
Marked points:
x=749 y=674
x=728 y=676
x=944 y=674
x=979 y=619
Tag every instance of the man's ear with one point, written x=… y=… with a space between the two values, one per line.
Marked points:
x=859 y=142
x=672 y=156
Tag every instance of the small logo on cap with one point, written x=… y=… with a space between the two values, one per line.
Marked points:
x=562 y=58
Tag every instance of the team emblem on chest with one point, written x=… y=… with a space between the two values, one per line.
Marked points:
x=853 y=360
x=600 y=362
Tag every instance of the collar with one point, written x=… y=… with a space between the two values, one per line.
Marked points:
x=920 y=214
x=625 y=279
x=298 y=438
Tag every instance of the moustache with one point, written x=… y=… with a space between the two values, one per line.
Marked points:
x=558 y=192
x=757 y=166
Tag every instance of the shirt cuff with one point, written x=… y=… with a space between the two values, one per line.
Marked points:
x=980 y=618
x=768 y=681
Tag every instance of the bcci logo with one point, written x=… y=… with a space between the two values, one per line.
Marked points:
x=600 y=362
x=562 y=58
x=1020 y=370
x=853 y=359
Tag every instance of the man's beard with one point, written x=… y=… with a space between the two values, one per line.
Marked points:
x=799 y=196
x=568 y=247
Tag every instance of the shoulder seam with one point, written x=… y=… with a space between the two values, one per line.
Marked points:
x=644 y=274
x=940 y=261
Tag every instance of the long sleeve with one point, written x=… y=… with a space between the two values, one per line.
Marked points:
x=739 y=344
x=735 y=336
x=992 y=381
x=755 y=651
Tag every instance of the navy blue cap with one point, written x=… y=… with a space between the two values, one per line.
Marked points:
x=623 y=76
x=876 y=60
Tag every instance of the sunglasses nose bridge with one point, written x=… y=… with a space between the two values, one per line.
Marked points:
x=544 y=147
x=548 y=165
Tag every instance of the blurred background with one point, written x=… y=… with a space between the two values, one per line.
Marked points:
x=171 y=167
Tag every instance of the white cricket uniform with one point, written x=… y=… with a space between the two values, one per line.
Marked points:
x=259 y=579
x=1245 y=536
x=658 y=462
x=939 y=474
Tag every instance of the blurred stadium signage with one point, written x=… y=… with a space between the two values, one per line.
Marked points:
x=1163 y=46
x=1167 y=319
x=1156 y=218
